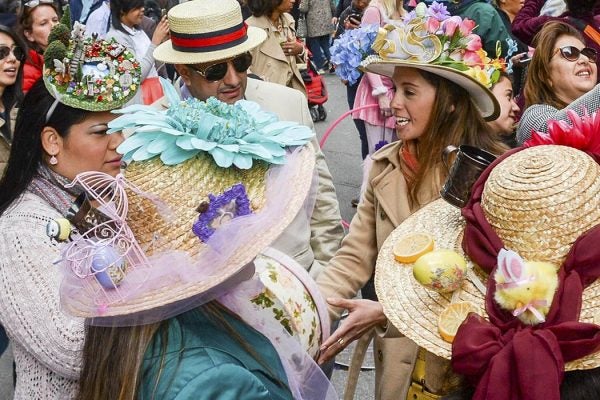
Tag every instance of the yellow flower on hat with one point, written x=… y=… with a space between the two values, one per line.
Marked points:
x=480 y=75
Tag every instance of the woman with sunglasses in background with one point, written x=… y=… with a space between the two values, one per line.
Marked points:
x=126 y=18
x=35 y=22
x=12 y=56
x=276 y=59
x=562 y=70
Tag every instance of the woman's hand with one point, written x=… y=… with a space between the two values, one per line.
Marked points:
x=384 y=105
x=292 y=48
x=363 y=315
x=161 y=31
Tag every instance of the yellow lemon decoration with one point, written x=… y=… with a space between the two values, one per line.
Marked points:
x=441 y=270
x=412 y=246
x=451 y=318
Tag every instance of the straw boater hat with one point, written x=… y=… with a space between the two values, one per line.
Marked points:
x=542 y=203
x=206 y=30
x=431 y=40
x=87 y=73
x=201 y=198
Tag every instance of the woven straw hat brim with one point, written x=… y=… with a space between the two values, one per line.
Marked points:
x=166 y=53
x=482 y=97
x=413 y=309
x=245 y=253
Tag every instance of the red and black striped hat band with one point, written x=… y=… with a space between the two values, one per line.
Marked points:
x=210 y=41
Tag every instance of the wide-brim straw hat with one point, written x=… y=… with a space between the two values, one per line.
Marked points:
x=482 y=97
x=549 y=196
x=177 y=265
x=203 y=31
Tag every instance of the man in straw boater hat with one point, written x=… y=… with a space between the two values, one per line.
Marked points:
x=528 y=297
x=210 y=46
x=175 y=259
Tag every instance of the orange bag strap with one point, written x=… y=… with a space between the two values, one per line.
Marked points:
x=592 y=34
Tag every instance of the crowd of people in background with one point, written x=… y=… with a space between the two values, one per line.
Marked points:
x=239 y=61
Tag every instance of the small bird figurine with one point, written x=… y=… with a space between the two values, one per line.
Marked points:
x=525 y=288
x=59 y=229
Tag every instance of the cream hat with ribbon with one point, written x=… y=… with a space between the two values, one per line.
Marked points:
x=203 y=31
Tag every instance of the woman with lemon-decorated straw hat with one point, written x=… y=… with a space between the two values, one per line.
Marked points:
x=60 y=132
x=529 y=232
x=442 y=98
x=181 y=294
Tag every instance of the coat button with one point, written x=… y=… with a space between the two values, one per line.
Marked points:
x=380 y=355
x=382 y=214
x=268 y=64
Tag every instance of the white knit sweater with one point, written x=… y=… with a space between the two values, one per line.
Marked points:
x=47 y=343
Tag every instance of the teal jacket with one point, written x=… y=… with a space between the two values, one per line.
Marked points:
x=203 y=361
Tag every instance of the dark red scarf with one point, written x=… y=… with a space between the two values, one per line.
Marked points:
x=504 y=358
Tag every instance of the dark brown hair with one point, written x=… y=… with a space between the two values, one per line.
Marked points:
x=537 y=84
x=263 y=7
x=454 y=121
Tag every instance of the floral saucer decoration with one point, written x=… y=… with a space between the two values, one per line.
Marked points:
x=428 y=35
x=90 y=74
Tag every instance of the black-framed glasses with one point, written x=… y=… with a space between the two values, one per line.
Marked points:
x=216 y=72
x=35 y=3
x=572 y=53
x=17 y=52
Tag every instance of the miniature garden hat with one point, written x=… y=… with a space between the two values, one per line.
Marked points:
x=200 y=198
x=87 y=73
x=529 y=231
x=206 y=30
x=428 y=39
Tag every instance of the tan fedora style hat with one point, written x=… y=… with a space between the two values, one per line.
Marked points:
x=203 y=31
x=539 y=201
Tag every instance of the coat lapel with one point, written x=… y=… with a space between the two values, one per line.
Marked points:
x=387 y=190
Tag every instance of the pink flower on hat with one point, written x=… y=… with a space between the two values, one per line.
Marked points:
x=432 y=25
x=466 y=26
x=450 y=25
x=473 y=42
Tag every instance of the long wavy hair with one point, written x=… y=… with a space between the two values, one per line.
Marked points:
x=113 y=356
x=13 y=94
x=538 y=89
x=454 y=121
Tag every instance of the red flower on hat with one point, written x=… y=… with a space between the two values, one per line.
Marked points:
x=582 y=134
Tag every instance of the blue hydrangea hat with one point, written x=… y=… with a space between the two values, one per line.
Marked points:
x=209 y=186
x=87 y=73
x=428 y=39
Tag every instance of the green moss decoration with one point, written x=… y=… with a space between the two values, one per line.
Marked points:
x=66 y=18
x=60 y=32
x=56 y=50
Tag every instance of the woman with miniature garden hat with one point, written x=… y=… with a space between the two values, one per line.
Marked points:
x=60 y=132
x=435 y=105
x=182 y=297
x=532 y=332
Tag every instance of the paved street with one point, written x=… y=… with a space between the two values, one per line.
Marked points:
x=342 y=151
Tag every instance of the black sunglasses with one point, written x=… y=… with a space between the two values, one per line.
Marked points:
x=216 y=72
x=17 y=52
x=571 y=53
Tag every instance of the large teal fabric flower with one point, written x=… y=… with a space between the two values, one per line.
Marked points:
x=232 y=134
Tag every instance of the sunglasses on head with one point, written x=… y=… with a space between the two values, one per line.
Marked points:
x=216 y=72
x=35 y=3
x=17 y=52
x=572 y=53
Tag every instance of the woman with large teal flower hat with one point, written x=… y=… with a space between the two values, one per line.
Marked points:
x=61 y=131
x=182 y=295
x=442 y=98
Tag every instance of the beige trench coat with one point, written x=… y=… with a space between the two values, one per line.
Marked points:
x=4 y=144
x=384 y=206
x=268 y=60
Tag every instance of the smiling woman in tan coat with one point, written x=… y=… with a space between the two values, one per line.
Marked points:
x=433 y=107
x=276 y=59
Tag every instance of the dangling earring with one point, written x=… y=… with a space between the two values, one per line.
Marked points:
x=53 y=160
